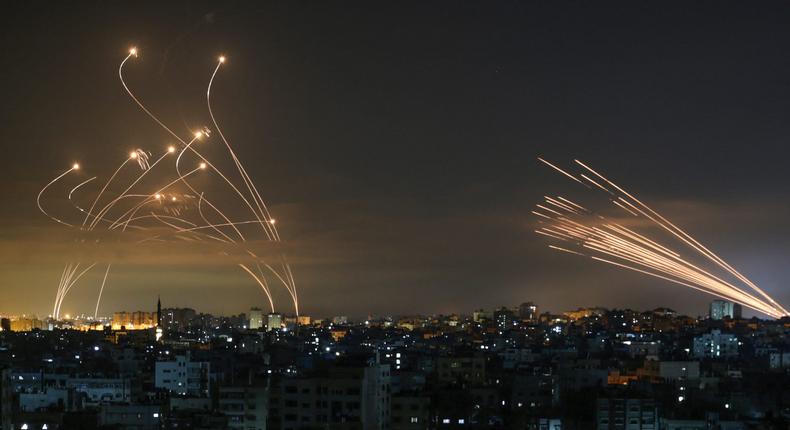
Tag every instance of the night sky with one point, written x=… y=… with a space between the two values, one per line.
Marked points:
x=396 y=142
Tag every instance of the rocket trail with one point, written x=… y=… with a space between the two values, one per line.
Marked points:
x=591 y=235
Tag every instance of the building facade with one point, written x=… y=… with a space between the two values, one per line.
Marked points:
x=182 y=376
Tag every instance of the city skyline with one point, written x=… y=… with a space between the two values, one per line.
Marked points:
x=388 y=204
x=411 y=215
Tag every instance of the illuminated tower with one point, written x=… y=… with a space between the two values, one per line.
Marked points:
x=158 y=318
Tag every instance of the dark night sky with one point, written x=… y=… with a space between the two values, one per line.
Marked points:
x=396 y=141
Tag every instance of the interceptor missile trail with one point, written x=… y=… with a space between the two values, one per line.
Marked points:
x=588 y=234
x=161 y=205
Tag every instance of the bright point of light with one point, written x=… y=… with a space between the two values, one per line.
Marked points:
x=171 y=149
x=157 y=196
x=133 y=51
x=76 y=166
x=222 y=59
x=133 y=154
x=198 y=134
x=272 y=221
x=173 y=198
x=202 y=165
x=680 y=398
x=95 y=348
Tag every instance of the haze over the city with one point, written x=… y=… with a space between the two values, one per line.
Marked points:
x=396 y=145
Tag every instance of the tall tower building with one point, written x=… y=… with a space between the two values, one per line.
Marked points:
x=256 y=318
x=274 y=321
x=528 y=311
x=158 y=311
x=720 y=309
x=159 y=330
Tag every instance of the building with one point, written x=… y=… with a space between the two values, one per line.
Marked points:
x=130 y=416
x=504 y=318
x=274 y=321
x=528 y=311
x=183 y=376
x=102 y=390
x=678 y=370
x=48 y=398
x=626 y=414
x=586 y=313
x=26 y=324
x=177 y=319
x=716 y=345
x=6 y=400
x=256 y=319
x=779 y=360
x=139 y=320
x=480 y=316
x=5 y=324
x=463 y=370
x=410 y=412
x=721 y=309
x=348 y=395
x=247 y=407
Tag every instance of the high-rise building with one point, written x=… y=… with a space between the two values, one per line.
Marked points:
x=720 y=309
x=256 y=319
x=274 y=321
x=528 y=311
x=503 y=317
x=177 y=319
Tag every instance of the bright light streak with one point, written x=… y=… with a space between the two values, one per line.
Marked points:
x=118 y=210
x=594 y=236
